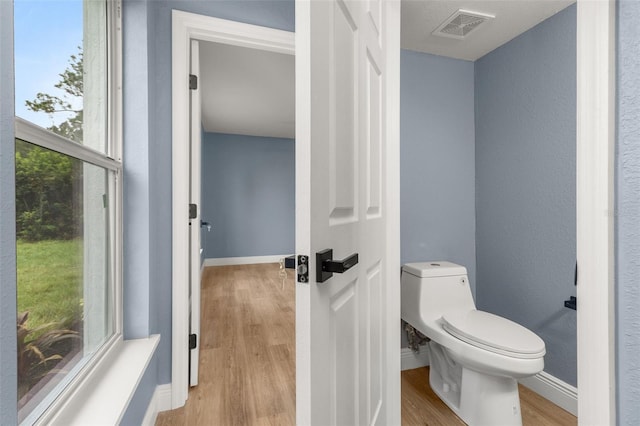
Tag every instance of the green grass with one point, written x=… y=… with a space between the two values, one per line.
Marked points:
x=50 y=281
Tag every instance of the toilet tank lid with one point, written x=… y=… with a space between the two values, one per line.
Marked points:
x=434 y=269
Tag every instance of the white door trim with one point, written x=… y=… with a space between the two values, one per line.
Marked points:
x=596 y=95
x=303 y=214
x=187 y=27
x=392 y=197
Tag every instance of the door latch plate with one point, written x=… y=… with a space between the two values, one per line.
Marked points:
x=303 y=268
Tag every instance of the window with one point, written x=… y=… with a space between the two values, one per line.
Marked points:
x=68 y=194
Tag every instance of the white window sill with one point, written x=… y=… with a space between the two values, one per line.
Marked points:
x=105 y=396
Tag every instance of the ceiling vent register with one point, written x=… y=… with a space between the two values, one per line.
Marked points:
x=461 y=24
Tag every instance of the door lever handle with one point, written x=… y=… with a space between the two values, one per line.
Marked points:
x=326 y=266
x=340 y=266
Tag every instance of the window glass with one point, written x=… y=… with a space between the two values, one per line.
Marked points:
x=48 y=39
x=62 y=225
x=65 y=196
x=60 y=67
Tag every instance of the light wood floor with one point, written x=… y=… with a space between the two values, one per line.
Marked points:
x=247 y=360
x=247 y=357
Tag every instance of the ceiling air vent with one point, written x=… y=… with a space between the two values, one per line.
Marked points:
x=461 y=24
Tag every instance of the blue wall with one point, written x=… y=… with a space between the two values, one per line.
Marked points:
x=525 y=185
x=437 y=176
x=628 y=214
x=136 y=151
x=8 y=338
x=248 y=195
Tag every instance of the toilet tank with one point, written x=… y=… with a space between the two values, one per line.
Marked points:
x=430 y=289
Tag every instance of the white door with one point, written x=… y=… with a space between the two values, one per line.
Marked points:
x=194 y=224
x=347 y=351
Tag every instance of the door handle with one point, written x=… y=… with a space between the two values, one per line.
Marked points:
x=326 y=266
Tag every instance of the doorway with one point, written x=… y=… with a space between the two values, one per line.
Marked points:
x=595 y=76
x=248 y=154
x=187 y=26
x=247 y=306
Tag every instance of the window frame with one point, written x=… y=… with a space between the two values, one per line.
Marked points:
x=87 y=370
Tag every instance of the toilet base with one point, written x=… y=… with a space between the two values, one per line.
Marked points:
x=477 y=398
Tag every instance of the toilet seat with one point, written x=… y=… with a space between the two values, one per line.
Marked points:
x=494 y=333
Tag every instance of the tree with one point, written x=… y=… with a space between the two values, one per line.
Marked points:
x=71 y=83
x=47 y=181
x=44 y=194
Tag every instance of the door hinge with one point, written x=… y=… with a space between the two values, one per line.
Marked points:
x=193 y=82
x=193 y=211
x=193 y=341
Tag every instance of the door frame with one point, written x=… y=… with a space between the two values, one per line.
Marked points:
x=594 y=185
x=195 y=276
x=595 y=219
x=186 y=27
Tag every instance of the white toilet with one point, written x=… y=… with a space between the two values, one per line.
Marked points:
x=475 y=357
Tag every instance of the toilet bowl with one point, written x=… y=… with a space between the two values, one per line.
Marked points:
x=475 y=357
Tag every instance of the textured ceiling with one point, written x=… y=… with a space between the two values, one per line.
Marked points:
x=512 y=18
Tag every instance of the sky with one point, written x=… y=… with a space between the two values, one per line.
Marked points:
x=47 y=33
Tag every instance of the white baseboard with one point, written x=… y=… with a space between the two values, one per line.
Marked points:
x=555 y=390
x=160 y=401
x=410 y=360
x=224 y=261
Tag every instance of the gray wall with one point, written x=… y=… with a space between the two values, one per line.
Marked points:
x=248 y=195
x=525 y=185
x=437 y=176
x=8 y=359
x=628 y=214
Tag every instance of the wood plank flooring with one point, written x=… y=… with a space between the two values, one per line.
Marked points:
x=247 y=360
x=247 y=357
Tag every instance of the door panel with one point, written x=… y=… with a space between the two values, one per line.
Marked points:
x=374 y=361
x=343 y=339
x=344 y=363
x=343 y=167
x=374 y=9
x=373 y=134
